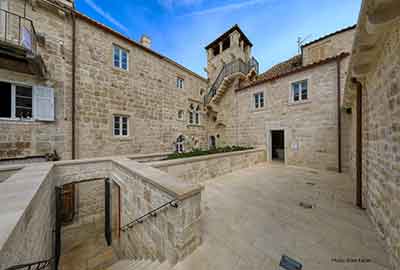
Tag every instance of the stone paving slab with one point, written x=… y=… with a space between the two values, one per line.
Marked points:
x=252 y=217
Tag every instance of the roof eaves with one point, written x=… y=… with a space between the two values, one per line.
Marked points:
x=330 y=35
x=119 y=35
x=299 y=69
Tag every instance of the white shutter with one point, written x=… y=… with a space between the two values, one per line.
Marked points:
x=43 y=103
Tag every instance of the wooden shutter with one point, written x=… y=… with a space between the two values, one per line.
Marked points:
x=43 y=103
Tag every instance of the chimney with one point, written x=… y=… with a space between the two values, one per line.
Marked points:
x=145 y=41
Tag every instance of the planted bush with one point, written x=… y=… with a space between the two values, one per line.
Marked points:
x=201 y=152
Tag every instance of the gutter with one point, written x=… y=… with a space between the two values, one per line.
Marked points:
x=339 y=116
x=73 y=113
x=358 y=144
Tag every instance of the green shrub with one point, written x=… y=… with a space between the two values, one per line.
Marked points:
x=200 y=152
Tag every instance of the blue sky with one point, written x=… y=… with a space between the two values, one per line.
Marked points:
x=181 y=28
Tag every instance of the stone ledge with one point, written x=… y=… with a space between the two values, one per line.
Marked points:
x=167 y=183
x=166 y=163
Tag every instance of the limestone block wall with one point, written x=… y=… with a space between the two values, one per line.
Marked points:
x=310 y=127
x=200 y=169
x=174 y=233
x=147 y=94
x=381 y=142
x=328 y=47
x=27 y=216
x=18 y=138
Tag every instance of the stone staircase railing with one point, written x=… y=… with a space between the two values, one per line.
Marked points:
x=236 y=66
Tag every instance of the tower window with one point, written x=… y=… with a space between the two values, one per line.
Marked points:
x=226 y=44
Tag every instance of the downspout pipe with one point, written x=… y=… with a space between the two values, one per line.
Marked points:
x=359 y=198
x=339 y=116
x=73 y=112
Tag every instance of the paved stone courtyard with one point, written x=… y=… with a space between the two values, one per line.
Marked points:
x=252 y=217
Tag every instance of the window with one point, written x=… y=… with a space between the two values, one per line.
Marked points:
x=21 y=102
x=180 y=115
x=179 y=83
x=180 y=144
x=121 y=126
x=16 y=102
x=194 y=115
x=299 y=91
x=259 y=100
x=120 y=58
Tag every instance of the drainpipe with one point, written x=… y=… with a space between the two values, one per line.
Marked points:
x=73 y=129
x=359 y=144
x=339 y=118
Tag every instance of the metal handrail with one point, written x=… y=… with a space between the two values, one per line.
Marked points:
x=153 y=213
x=14 y=27
x=33 y=266
x=235 y=66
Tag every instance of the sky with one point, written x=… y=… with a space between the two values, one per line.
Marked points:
x=180 y=29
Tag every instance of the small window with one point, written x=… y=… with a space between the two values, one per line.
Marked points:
x=299 y=91
x=121 y=126
x=121 y=58
x=179 y=83
x=259 y=100
x=180 y=115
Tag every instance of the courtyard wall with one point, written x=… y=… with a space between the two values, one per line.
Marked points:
x=381 y=141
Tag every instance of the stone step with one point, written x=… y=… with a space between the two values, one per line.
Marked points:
x=120 y=265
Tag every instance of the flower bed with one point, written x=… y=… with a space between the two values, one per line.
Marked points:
x=200 y=152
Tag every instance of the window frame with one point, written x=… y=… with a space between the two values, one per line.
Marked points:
x=180 y=83
x=120 y=127
x=291 y=91
x=13 y=116
x=194 y=115
x=120 y=50
x=182 y=117
x=256 y=100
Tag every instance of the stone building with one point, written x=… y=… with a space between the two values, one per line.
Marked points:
x=373 y=94
x=96 y=93
x=93 y=92
x=292 y=108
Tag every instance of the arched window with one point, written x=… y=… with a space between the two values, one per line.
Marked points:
x=179 y=145
x=194 y=115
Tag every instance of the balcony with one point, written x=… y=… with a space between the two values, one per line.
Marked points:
x=19 y=45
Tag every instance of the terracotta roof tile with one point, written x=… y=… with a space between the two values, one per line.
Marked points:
x=281 y=68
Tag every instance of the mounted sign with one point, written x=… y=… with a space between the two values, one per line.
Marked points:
x=289 y=264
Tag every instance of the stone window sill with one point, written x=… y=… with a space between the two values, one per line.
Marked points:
x=120 y=138
x=194 y=125
x=294 y=103
x=23 y=121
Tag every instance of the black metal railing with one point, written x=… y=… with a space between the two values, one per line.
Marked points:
x=47 y=264
x=18 y=31
x=153 y=213
x=235 y=66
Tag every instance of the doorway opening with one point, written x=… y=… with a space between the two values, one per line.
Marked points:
x=212 y=142
x=278 y=145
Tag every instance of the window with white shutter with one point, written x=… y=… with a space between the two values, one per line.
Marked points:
x=44 y=103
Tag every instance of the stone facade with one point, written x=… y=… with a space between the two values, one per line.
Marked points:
x=28 y=138
x=310 y=127
x=381 y=133
x=329 y=46
x=147 y=93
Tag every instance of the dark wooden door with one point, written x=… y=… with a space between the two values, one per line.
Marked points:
x=68 y=205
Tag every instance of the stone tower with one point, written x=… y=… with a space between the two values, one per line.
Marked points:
x=231 y=45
